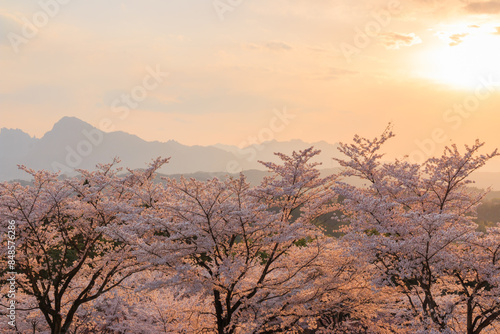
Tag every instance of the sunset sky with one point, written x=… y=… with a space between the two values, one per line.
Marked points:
x=339 y=67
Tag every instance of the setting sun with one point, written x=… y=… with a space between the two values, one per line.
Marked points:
x=470 y=53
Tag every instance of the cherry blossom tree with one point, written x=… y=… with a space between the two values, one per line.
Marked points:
x=63 y=258
x=132 y=309
x=111 y=253
x=414 y=223
x=254 y=252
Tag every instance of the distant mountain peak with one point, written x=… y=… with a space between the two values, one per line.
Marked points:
x=14 y=133
x=10 y=130
x=71 y=122
x=67 y=127
x=73 y=143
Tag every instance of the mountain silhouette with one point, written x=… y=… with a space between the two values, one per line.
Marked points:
x=74 y=144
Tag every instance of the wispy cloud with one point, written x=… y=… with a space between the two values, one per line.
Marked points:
x=484 y=7
x=271 y=46
x=394 y=40
x=456 y=39
x=8 y=24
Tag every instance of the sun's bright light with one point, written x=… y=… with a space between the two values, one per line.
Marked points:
x=468 y=54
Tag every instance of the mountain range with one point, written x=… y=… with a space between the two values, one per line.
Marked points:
x=73 y=143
